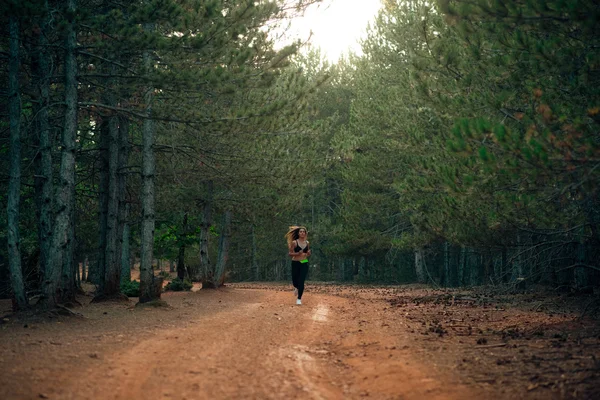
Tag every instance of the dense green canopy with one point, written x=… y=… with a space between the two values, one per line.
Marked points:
x=461 y=147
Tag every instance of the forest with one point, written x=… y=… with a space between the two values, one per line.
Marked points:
x=460 y=148
x=447 y=175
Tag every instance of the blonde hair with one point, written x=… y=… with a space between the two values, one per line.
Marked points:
x=293 y=233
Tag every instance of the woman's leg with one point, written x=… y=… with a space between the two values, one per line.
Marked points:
x=295 y=273
x=301 y=278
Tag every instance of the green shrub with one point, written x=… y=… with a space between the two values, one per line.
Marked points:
x=177 y=285
x=131 y=288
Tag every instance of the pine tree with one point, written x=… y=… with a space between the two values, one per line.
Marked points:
x=41 y=56
x=59 y=282
x=14 y=189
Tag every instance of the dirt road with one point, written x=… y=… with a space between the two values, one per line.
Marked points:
x=225 y=344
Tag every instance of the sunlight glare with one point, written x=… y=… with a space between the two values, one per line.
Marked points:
x=336 y=25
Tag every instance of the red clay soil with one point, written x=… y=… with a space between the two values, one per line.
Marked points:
x=250 y=341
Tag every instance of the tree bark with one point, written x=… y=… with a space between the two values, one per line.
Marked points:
x=362 y=269
x=503 y=266
x=74 y=246
x=125 y=249
x=463 y=265
x=84 y=270
x=447 y=280
x=487 y=270
x=517 y=270
x=123 y=231
x=112 y=277
x=58 y=281
x=419 y=266
x=147 y=292
x=78 y=273
x=109 y=254
x=475 y=268
x=223 y=256
x=580 y=273
x=70 y=129
x=255 y=266
x=14 y=184
x=205 y=267
x=100 y=270
x=182 y=243
x=43 y=157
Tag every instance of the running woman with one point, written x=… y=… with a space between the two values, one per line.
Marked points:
x=299 y=250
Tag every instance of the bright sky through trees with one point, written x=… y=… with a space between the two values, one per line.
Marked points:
x=336 y=25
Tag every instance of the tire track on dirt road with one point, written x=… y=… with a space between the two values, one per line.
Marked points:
x=221 y=356
x=250 y=347
x=256 y=344
x=301 y=354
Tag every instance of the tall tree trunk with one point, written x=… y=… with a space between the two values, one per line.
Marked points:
x=43 y=158
x=182 y=243
x=281 y=268
x=100 y=270
x=475 y=268
x=362 y=269
x=517 y=271
x=147 y=287
x=109 y=255
x=205 y=267
x=487 y=270
x=92 y=269
x=580 y=273
x=14 y=184
x=74 y=245
x=58 y=282
x=123 y=231
x=84 y=270
x=223 y=256
x=78 y=273
x=125 y=249
x=371 y=267
x=447 y=281
x=112 y=277
x=461 y=265
x=70 y=129
x=255 y=267
x=503 y=266
x=419 y=266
